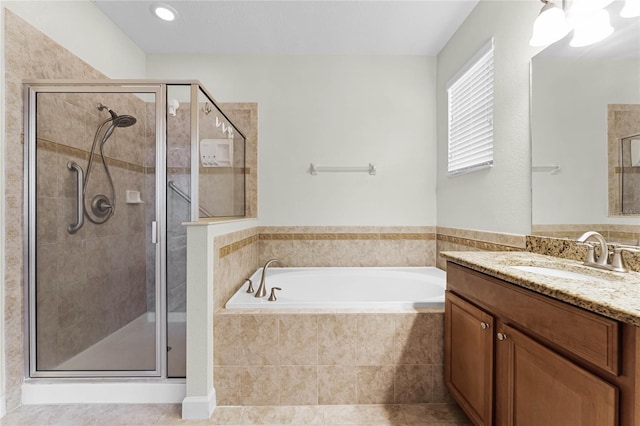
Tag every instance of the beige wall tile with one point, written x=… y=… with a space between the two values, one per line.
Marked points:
x=375 y=344
x=259 y=340
x=413 y=384
x=299 y=385
x=336 y=385
x=259 y=385
x=226 y=340
x=298 y=343
x=337 y=339
x=375 y=384
x=419 y=339
x=227 y=383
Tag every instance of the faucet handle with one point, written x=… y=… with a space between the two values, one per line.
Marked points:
x=250 y=288
x=617 y=264
x=272 y=296
x=591 y=257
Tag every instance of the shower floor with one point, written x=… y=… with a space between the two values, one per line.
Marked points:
x=132 y=347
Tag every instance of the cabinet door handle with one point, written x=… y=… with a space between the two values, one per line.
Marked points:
x=502 y=336
x=484 y=325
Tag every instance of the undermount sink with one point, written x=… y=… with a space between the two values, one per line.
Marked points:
x=557 y=273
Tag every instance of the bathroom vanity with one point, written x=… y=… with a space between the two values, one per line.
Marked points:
x=545 y=348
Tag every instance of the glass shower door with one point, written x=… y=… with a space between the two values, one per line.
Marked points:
x=93 y=232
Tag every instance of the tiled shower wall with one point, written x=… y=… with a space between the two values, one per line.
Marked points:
x=90 y=283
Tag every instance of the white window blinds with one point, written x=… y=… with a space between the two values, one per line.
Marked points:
x=470 y=98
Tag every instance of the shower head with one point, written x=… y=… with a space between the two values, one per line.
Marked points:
x=118 y=120
x=123 y=120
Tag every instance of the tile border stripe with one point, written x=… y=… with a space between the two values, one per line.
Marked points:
x=478 y=244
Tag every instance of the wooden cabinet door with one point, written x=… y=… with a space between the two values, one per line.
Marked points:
x=469 y=358
x=538 y=387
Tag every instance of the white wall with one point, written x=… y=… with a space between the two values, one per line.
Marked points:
x=569 y=128
x=498 y=199
x=333 y=111
x=86 y=32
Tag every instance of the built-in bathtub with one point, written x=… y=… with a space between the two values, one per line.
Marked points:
x=334 y=288
x=334 y=336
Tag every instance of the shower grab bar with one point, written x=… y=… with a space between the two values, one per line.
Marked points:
x=186 y=197
x=75 y=227
x=315 y=169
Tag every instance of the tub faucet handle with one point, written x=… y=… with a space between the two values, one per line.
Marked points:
x=250 y=288
x=272 y=296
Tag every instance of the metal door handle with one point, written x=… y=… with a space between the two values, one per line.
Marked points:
x=484 y=325
x=502 y=337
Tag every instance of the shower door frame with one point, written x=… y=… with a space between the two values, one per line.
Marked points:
x=31 y=88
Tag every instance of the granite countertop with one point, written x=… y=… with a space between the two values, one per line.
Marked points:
x=612 y=294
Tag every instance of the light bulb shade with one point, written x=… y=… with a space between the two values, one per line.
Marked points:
x=631 y=9
x=591 y=28
x=550 y=26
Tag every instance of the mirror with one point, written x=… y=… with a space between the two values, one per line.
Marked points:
x=585 y=127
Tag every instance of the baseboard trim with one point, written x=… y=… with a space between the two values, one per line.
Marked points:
x=199 y=407
x=103 y=393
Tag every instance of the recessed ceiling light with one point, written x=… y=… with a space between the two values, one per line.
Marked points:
x=164 y=11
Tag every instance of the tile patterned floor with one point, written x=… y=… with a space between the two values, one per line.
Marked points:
x=123 y=414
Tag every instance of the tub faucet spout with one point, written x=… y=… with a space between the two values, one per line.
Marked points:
x=262 y=288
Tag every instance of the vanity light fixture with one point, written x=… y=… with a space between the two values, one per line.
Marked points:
x=164 y=11
x=587 y=18
x=631 y=9
x=550 y=25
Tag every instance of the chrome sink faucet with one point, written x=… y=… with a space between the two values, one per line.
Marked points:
x=262 y=288
x=602 y=262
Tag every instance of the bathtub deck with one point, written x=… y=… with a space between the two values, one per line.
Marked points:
x=369 y=415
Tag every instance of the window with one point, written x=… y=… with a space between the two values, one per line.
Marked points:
x=470 y=99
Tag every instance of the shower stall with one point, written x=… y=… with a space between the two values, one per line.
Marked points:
x=112 y=170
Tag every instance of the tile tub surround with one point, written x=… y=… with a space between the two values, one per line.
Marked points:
x=293 y=358
x=127 y=414
x=348 y=246
x=235 y=258
x=569 y=249
x=456 y=239
x=612 y=294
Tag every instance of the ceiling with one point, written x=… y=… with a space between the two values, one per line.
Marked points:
x=294 y=27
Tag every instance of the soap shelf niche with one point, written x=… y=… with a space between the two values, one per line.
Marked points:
x=314 y=169
x=133 y=197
